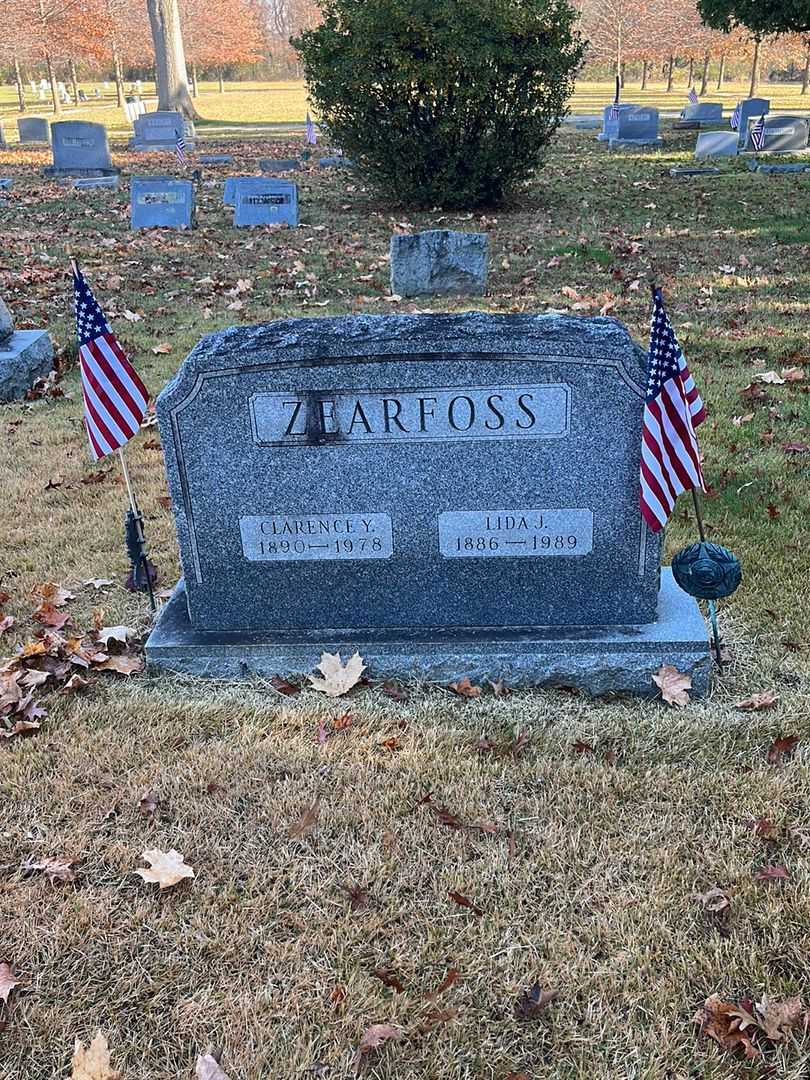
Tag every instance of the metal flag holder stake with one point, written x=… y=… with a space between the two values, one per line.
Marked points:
x=135 y=540
x=708 y=572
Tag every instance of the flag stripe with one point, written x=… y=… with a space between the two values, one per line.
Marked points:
x=107 y=393
x=131 y=391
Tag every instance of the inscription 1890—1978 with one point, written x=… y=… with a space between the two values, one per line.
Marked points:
x=434 y=413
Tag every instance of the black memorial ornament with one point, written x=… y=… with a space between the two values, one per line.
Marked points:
x=707 y=571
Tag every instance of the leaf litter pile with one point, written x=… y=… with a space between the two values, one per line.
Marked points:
x=331 y=876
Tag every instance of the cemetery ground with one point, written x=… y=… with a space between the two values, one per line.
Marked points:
x=566 y=842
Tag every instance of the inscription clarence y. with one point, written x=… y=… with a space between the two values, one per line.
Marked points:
x=481 y=534
x=286 y=537
x=484 y=412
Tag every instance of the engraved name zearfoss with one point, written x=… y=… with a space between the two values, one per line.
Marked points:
x=433 y=413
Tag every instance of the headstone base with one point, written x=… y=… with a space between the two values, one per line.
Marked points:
x=24 y=358
x=597 y=660
x=136 y=146
x=613 y=143
x=52 y=173
x=708 y=170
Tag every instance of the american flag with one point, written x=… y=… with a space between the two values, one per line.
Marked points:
x=735 y=117
x=670 y=456
x=758 y=134
x=312 y=138
x=614 y=111
x=692 y=95
x=115 y=399
x=180 y=150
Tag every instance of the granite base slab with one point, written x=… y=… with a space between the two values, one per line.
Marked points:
x=52 y=173
x=25 y=357
x=618 y=144
x=597 y=660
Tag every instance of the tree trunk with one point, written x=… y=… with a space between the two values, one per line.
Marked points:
x=645 y=67
x=221 y=81
x=622 y=73
x=704 y=82
x=57 y=104
x=21 y=90
x=74 y=81
x=118 y=74
x=670 y=73
x=754 y=70
x=721 y=74
x=691 y=78
x=806 y=72
x=171 y=73
x=195 y=89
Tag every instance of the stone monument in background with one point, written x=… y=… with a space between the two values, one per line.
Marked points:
x=25 y=356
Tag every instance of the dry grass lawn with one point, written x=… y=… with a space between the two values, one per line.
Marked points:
x=591 y=857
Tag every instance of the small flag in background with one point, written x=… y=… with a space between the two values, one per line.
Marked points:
x=670 y=456
x=312 y=138
x=758 y=134
x=614 y=111
x=735 y=118
x=115 y=399
x=180 y=150
x=692 y=95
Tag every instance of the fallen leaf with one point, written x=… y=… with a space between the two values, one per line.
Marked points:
x=777 y=1018
x=389 y=979
x=757 y=702
x=49 y=615
x=358 y=898
x=164 y=347
x=167 y=868
x=499 y=688
x=98 y=583
x=796 y=448
x=396 y=693
x=338 y=678
x=532 y=1003
x=124 y=665
x=7 y=981
x=94 y=1063
x=342 y=723
x=131 y=316
x=770 y=874
x=780 y=748
x=283 y=687
x=771 y=377
x=465 y=902
x=372 y=1039
x=114 y=633
x=6 y=623
x=74 y=684
x=793 y=374
x=148 y=804
x=55 y=869
x=720 y=1021
x=54 y=594
x=464 y=688
x=208 y=1068
x=715 y=900
x=450 y=978
x=673 y=685
x=306 y=823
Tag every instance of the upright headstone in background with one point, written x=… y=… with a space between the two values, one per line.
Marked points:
x=636 y=125
x=750 y=109
x=450 y=495
x=33 y=129
x=706 y=112
x=439 y=262
x=784 y=135
x=160 y=131
x=3 y=145
x=229 y=194
x=262 y=200
x=711 y=144
x=161 y=202
x=25 y=356
x=80 y=148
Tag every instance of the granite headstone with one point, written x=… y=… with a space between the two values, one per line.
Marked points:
x=160 y=131
x=750 y=109
x=229 y=195
x=161 y=202
x=80 y=148
x=632 y=124
x=439 y=262
x=33 y=129
x=25 y=356
x=277 y=165
x=711 y=144
x=3 y=145
x=449 y=494
x=260 y=200
x=784 y=135
x=705 y=112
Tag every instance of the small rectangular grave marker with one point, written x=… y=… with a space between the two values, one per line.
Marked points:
x=265 y=201
x=161 y=202
x=33 y=129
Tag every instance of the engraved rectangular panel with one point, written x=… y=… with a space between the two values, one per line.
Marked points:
x=430 y=414
x=289 y=537
x=486 y=534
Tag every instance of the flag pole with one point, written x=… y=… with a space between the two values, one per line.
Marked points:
x=712 y=603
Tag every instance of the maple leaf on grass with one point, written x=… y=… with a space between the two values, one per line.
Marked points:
x=94 y=1062
x=7 y=981
x=532 y=1003
x=338 y=678
x=167 y=868
x=372 y=1039
x=673 y=685
x=208 y=1068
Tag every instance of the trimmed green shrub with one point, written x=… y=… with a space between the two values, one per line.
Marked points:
x=442 y=102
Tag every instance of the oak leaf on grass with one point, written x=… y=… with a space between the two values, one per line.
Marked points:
x=167 y=868
x=721 y=1021
x=338 y=678
x=372 y=1039
x=94 y=1062
x=673 y=685
x=124 y=665
x=55 y=869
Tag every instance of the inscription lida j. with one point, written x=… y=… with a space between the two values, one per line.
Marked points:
x=313 y=418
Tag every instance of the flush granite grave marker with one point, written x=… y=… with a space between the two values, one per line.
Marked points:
x=25 y=356
x=260 y=200
x=80 y=148
x=276 y=165
x=161 y=202
x=450 y=494
x=33 y=129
